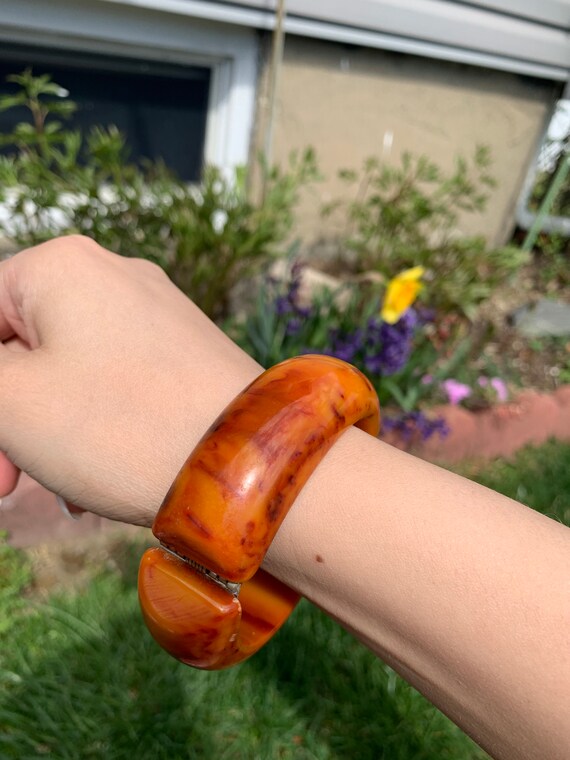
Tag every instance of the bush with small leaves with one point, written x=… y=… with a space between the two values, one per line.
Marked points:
x=55 y=180
x=407 y=215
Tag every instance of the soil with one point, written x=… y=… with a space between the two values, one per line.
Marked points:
x=65 y=553
x=71 y=565
x=542 y=364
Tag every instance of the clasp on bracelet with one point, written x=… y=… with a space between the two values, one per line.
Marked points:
x=229 y=586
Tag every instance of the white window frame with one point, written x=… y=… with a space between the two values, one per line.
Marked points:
x=98 y=27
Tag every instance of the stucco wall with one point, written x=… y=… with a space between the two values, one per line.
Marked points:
x=344 y=100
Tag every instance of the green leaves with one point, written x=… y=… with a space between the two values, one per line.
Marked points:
x=210 y=237
x=408 y=215
x=59 y=180
x=12 y=101
x=16 y=574
x=223 y=236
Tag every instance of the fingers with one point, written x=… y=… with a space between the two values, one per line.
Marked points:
x=16 y=344
x=6 y=329
x=8 y=312
x=32 y=282
x=9 y=475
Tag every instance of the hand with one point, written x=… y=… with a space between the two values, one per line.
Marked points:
x=88 y=340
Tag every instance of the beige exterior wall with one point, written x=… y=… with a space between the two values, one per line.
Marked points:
x=344 y=100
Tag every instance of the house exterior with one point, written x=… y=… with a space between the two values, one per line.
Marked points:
x=188 y=79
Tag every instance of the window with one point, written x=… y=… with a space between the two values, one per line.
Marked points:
x=162 y=108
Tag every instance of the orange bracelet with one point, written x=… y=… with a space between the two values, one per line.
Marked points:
x=202 y=594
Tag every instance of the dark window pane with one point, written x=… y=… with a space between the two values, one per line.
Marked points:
x=161 y=108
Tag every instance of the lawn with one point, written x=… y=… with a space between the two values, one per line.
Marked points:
x=81 y=678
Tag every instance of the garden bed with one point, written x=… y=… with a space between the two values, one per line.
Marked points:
x=540 y=363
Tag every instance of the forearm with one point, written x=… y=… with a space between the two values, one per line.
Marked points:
x=462 y=591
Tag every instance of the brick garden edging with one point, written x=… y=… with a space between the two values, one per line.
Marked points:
x=531 y=418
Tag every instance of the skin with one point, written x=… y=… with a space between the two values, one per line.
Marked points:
x=108 y=378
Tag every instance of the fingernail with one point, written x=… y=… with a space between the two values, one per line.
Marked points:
x=65 y=509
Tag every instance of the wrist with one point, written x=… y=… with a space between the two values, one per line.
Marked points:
x=185 y=422
x=228 y=501
x=313 y=536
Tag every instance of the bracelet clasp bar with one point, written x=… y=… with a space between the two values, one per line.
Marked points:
x=229 y=586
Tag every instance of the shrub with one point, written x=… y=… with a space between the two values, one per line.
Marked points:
x=222 y=236
x=56 y=180
x=551 y=253
x=406 y=215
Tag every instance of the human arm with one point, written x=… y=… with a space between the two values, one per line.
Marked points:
x=462 y=591
x=465 y=593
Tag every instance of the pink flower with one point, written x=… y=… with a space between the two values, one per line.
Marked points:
x=456 y=391
x=483 y=381
x=500 y=388
x=427 y=380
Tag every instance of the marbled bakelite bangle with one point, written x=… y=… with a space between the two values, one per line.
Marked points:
x=203 y=596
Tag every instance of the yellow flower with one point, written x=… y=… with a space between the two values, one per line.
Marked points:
x=400 y=294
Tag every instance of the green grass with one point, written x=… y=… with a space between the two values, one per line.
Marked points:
x=538 y=477
x=80 y=676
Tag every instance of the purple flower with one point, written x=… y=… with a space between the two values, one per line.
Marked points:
x=500 y=388
x=346 y=349
x=293 y=326
x=282 y=306
x=381 y=348
x=456 y=391
x=411 y=423
x=397 y=342
x=304 y=311
x=409 y=319
x=288 y=304
x=424 y=313
x=374 y=364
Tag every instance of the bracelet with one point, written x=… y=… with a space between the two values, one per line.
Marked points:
x=202 y=594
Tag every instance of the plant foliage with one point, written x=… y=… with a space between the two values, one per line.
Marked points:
x=16 y=574
x=347 y=323
x=56 y=180
x=408 y=215
x=84 y=678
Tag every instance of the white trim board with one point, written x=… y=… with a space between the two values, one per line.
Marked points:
x=456 y=31
x=96 y=27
